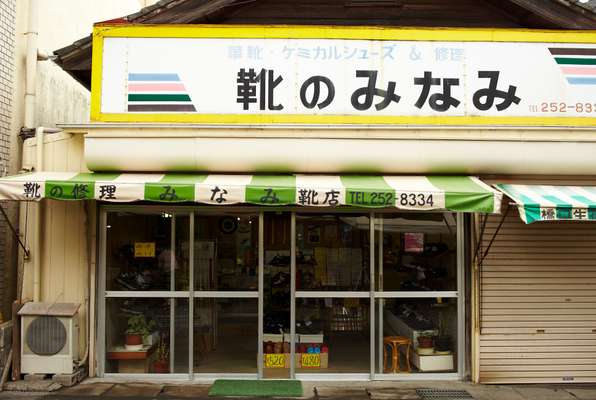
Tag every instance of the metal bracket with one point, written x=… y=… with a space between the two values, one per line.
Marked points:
x=15 y=233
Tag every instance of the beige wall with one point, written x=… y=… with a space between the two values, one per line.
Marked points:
x=59 y=99
x=67 y=229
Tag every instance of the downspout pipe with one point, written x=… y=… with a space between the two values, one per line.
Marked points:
x=32 y=35
x=39 y=136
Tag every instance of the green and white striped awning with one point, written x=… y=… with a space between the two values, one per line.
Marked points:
x=552 y=203
x=456 y=193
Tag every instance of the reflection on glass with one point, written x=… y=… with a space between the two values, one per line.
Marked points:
x=429 y=324
x=181 y=335
x=181 y=251
x=138 y=251
x=333 y=335
x=418 y=252
x=225 y=335
x=138 y=335
x=225 y=251
x=276 y=292
x=332 y=252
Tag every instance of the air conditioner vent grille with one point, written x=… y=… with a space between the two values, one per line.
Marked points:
x=46 y=335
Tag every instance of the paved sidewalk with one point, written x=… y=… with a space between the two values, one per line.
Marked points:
x=96 y=390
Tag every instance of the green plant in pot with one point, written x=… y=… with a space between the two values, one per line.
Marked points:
x=137 y=329
x=161 y=365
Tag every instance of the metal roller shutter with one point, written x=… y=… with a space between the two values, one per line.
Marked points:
x=538 y=302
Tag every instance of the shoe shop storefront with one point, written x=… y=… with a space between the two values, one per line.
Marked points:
x=304 y=205
x=257 y=290
x=280 y=292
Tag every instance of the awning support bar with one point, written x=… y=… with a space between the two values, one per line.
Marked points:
x=14 y=232
x=492 y=239
x=481 y=233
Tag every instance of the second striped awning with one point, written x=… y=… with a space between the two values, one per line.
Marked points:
x=455 y=193
x=552 y=203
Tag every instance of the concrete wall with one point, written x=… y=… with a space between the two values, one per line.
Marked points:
x=7 y=44
x=59 y=98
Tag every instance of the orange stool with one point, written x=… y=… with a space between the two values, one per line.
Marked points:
x=395 y=342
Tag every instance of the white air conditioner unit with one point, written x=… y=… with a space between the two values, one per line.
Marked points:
x=49 y=338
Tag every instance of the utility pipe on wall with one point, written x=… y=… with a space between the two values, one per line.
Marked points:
x=38 y=215
x=31 y=63
x=30 y=95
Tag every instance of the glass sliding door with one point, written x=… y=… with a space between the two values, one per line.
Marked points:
x=178 y=291
x=145 y=286
x=225 y=291
x=277 y=287
x=333 y=308
x=418 y=294
x=205 y=292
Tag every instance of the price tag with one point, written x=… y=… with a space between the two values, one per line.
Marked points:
x=275 y=360
x=311 y=360
x=144 y=249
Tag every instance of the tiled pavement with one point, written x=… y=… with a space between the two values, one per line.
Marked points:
x=101 y=390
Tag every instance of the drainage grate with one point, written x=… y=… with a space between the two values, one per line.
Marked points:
x=440 y=394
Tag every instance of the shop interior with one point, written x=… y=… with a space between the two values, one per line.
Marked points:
x=418 y=255
x=151 y=253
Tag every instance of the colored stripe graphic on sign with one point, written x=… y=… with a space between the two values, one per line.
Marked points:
x=577 y=64
x=158 y=92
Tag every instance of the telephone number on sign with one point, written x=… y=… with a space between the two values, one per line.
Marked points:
x=564 y=107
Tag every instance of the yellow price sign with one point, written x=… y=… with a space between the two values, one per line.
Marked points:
x=275 y=360
x=311 y=360
x=144 y=249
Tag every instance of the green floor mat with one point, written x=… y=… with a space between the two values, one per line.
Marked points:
x=273 y=388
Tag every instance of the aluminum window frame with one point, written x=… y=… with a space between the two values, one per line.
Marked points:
x=458 y=294
x=373 y=294
x=173 y=294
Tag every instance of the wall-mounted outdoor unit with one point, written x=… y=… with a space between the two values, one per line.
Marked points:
x=49 y=338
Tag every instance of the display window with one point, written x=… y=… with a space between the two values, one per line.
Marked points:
x=417 y=252
x=417 y=297
x=225 y=251
x=333 y=335
x=139 y=333
x=279 y=294
x=332 y=252
x=429 y=324
x=139 y=251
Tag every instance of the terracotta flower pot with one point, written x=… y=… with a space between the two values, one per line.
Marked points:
x=161 y=366
x=425 y=342
x=133 y=339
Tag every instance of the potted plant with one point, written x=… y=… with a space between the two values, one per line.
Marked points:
x=425 y=341
x=425 y=345
x=161 y=365
x=137 y=329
